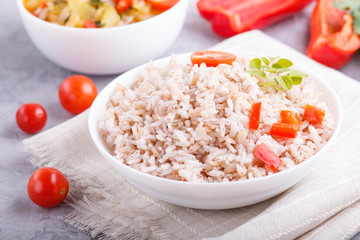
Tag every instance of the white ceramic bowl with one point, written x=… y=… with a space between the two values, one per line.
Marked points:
x=105 y=50
x=209 y=195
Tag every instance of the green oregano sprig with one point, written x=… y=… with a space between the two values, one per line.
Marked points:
x=281 y=77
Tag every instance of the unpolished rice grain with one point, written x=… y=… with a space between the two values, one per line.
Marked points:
x=191 y=123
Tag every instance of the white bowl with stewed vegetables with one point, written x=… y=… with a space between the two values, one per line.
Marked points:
x=105 y=50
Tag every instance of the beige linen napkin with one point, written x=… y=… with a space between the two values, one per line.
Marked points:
x=324 y=205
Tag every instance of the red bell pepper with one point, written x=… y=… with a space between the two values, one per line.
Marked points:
x=89 y=24
x=265 y=154
x=254 y=117
x=284 y=130
x=313 y=114
x=333 y=41
x=290 y=117
x=230 y=17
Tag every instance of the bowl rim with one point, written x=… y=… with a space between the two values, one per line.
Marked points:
x=24 y=11
x=93 y=129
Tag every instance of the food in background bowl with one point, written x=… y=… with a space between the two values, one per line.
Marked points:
x=215 y=124
x=199 y=141
x=96 y=13
x=110 y=50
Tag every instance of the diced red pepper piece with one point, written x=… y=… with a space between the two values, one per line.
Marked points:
x=290 y=117
x=265 y=154
x=89 y=24
x=254 y=117
x=284 y=130
x=122 y=5
x=333 y=41
x=230 y=17
x=313 y=114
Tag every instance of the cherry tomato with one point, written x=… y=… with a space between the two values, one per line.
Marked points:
x=162 y=5
x=89 y=24
x=76 y=93
x=122 y=5
x=212 y=58
x=31 y=117
x=47 y=187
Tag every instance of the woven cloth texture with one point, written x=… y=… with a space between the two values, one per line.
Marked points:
x=324 y=205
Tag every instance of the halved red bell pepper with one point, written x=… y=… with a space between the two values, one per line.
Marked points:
x=230 y=17
x=265 y=154
x=333 y=41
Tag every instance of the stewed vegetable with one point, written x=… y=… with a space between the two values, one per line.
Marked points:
x=96 y=13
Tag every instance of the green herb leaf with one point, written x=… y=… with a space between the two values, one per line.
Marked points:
x=255 y=63
x=282 y=77
x=283 y=70
x=257 y=73
x=296 y=80
x=276 y=70
x=272 y=58
x=271 y=70
x=285 y=63
x=352 y=7
x=272 y=84
x=276 y=79
x=281 y=82
x=265 y=60
x=288 y=82
x=297 y=73
x=276 y=65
